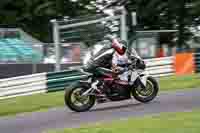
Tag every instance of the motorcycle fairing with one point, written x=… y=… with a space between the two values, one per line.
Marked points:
x=142 y=77
x=134 y=76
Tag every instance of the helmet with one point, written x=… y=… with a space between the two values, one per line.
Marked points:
x=120 y=46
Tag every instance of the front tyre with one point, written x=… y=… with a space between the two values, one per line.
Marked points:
x=75 y=101
x=149 y=93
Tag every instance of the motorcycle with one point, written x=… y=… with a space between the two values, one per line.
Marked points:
x=103 y=85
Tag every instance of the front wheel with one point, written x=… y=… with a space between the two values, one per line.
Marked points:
x=147 y=94
x=75 y=101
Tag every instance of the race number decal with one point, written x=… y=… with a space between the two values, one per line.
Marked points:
x=134 y=76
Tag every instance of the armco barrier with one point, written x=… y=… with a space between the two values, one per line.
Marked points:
x=23 y=85
x=197 y=60
x=56 y=81
x=159 y=67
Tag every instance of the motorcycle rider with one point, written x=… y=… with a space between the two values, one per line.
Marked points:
x=102 y=62
x=108 y=61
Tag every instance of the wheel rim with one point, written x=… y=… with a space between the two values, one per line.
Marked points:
x=148 y=91
x=79 y=100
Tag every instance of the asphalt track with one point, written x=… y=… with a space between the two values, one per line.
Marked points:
x=40 y=122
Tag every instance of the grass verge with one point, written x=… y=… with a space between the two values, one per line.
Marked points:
x=172 y=83
x=183 y=122
x=45 y=101
x=32 y=103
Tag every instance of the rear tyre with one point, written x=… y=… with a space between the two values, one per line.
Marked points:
x=149 y=93
x=74 y=100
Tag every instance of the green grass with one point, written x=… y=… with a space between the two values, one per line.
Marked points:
x=45 y=101
x=31 y=103
x=183 y=122
x=179 y=82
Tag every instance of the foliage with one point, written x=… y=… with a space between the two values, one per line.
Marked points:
x=34 y=15
x=170 y=14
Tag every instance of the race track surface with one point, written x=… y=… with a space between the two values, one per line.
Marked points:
x=38 y=122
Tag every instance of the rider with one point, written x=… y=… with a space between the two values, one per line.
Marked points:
x=108 y=57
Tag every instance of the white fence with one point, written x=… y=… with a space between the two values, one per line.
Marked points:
x=23 y=85
x=37 y=83
x=160 y=66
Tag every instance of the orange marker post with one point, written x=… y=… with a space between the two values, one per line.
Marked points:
x=184 y=63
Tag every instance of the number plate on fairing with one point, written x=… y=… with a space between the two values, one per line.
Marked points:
x=134 y=75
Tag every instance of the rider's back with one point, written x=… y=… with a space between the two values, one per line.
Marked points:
x=102 y=58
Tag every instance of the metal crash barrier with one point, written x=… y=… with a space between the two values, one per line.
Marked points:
x=57 y=81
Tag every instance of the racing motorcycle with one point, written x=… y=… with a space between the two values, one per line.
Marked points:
x=103 y=85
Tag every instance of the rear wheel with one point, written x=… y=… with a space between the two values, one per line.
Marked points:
x=75 y=101
x=147 y=94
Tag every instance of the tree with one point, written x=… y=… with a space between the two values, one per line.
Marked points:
x=158 y=14
x=34 y=15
